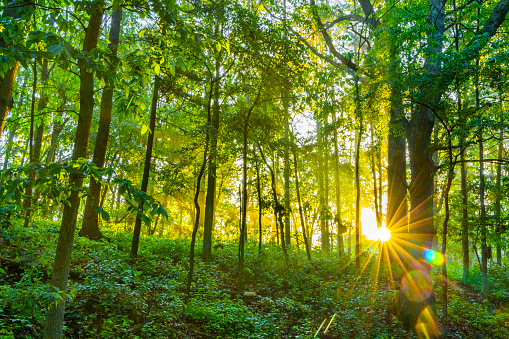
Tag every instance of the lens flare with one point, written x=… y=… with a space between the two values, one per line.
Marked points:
x=416 y=286
x=426 y=326
x=434 y=257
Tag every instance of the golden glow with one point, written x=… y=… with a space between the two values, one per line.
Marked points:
x=383 y=234
x=370 y=229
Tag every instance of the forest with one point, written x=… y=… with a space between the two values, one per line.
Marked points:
x=254 y=169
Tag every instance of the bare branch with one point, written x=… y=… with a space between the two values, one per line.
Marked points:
x=349 y=17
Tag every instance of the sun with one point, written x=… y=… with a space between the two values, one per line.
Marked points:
x=370 y=229
x=383 y=234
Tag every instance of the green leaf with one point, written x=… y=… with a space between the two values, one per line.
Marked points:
x=172 y=70
x=218 y=46
x=55 y=49
x=105 y=215
x=157 y=69
x=144 y=129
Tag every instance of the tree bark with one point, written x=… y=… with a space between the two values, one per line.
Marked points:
x=90 y=226
x=146 y=168
x=55 y=315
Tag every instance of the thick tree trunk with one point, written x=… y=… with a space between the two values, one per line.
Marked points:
x=60 y=273
x=415 y=304
x=146 y=168
x=90 y=226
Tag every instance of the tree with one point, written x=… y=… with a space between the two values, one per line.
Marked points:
x=61 y=265
x=90 y=227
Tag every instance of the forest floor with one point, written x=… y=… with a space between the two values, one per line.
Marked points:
x=112 y=296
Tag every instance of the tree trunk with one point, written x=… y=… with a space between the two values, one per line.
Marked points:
x=321 y=194
x=482 y=217
x=211 y=180
x=196 y=221
x=358 y=137
x=57 y=129
x=27 y=204
x=243 y=227
x=35 y=148
x=146 y=168
x=378 y=207
x=278 y=208
x=358 y=227
x=304 y=235
x=450 y=177
x=15 y=10
x=339 y=224
x=43 y=102
x=13 y=129
x=287 y=169
x=464 y=222
x=327 y=187
x=498 y=194
x=8 y=146
x=90 y=226
x=55 y=315
x=419 y=130
x=259 y=194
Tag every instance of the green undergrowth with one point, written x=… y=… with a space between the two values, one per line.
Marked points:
x=113 y=296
